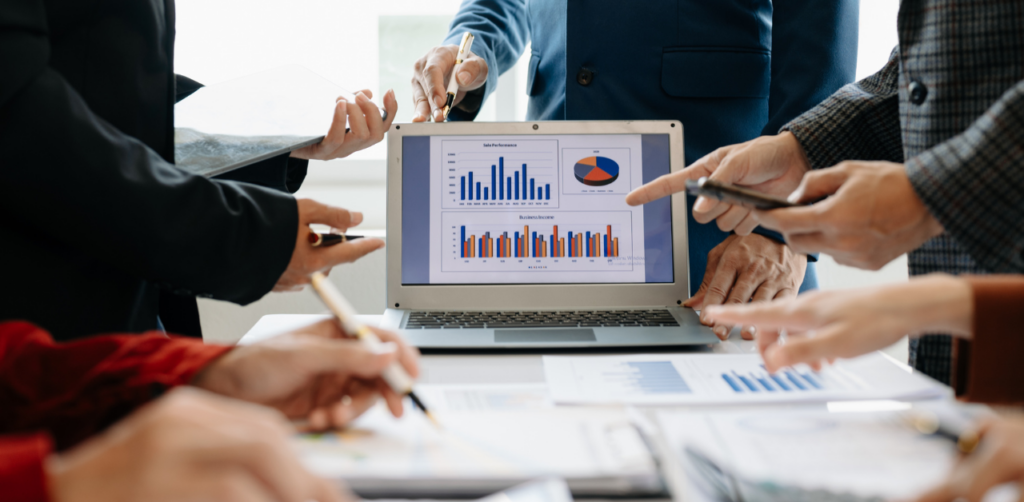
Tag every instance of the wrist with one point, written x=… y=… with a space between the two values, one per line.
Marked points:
x=946 y=305
x=794 y=150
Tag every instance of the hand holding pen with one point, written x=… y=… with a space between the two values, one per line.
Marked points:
x=306 y=258
x=395 y=375
x=429 y=87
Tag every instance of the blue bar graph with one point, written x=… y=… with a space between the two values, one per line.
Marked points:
x=517 y=245
x=501 y=187
x=657 y=377
x=462 y=248
x=786 y=381
x=586 y=245
x=477 y=190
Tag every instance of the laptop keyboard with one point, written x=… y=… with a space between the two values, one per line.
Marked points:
x=546 y=319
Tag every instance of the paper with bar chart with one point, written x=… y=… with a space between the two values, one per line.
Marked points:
x=500 y=173
x=727 y=379
x=506 y=216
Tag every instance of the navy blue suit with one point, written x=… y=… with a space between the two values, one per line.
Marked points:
x=729 y=70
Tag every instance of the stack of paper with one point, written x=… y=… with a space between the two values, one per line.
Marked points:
x=482 y=448
x=659 y=379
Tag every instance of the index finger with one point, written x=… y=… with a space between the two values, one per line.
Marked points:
x=805 y=219
x=663 y=186
x=407 y=354
x=351 y=251
x=439 y=64
x=770 y=315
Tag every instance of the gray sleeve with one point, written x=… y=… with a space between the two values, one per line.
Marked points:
x=860 y=121
x=973 y=183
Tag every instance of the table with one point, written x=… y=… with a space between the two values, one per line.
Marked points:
x=494 y=368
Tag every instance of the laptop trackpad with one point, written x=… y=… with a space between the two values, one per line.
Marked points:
x=543 y=335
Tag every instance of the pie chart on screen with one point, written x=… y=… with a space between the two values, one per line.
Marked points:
x=596 y=171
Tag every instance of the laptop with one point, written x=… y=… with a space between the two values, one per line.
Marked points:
x=517 y=235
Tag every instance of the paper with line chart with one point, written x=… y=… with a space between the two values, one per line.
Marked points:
x=535 y=209
x=727 y=379
x=499 y=445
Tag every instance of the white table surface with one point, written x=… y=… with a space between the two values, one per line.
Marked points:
x=477 y=368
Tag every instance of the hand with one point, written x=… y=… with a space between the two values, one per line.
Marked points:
x=748 y=268
x=313 y=373
x=873 y=217
x=769 y=164
x=307 y=259
x=826 y=325
x=365 y=128
x=998 y=459
x=188 y=445
x=430 y=80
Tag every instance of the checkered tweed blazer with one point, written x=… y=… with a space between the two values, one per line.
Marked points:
x=960 y=134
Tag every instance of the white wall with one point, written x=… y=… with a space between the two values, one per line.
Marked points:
x=372 y=45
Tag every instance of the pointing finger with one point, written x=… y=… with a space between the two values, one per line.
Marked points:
x=348 y=252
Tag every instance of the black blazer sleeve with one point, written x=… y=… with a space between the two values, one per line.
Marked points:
x=68 y=176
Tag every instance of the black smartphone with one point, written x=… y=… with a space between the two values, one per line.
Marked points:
x=733 y=194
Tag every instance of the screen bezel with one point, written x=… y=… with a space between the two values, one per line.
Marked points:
x=535 y=295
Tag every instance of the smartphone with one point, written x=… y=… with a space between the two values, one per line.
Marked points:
x=733 y=194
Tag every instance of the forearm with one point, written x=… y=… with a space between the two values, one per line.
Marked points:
x=22 y=468
x=859 y=122
x=76 y=389
x=972 y=184
x=117 y=201
x=995 y=371
x=501 y=31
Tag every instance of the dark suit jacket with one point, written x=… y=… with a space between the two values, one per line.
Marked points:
x=729 y=70
x=95 y=220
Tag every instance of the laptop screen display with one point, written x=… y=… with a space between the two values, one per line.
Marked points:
x=538 y=209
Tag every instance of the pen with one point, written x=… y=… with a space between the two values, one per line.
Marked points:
x=317 y=239
x=928 y=423
x=453 y=85
x=394 y=374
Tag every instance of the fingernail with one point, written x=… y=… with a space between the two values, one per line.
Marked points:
x=721 y=332
x=385 y=348
x=355 y=218
x=701 y=205
x=464 y=77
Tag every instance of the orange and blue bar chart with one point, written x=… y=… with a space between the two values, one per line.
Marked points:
x=530 y=244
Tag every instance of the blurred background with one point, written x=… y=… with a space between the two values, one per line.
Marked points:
x=373 y=45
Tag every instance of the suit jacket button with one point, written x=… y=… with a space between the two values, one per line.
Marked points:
x=584 y=77
x=918 y=92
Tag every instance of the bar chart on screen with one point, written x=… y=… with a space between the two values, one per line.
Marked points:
x=556 y=241
x=500 y=173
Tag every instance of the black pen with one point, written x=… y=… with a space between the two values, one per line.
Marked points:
x=317 y=239
x=928 y=423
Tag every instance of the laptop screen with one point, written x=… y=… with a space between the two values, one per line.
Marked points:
x=538 y=209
